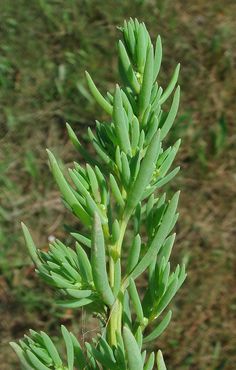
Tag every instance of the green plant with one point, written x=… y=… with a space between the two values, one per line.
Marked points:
x=114 y=198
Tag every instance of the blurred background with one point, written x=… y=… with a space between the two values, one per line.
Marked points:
x=45 y=46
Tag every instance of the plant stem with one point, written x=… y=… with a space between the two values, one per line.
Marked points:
x=115 y=315
x=114 y=323
x=111 y=272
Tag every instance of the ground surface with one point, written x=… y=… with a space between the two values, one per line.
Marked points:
x=44 y=49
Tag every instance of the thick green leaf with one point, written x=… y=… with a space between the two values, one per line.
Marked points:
x=101 y=152
x=84 y=264
x=147 y=83
x=134 y=357
x=93 y=183
x=30 y=245
x=157 y=58
x=116 y=191
x=105 y=348
x=127 y=105
x=131 y=42
x=152 y=129
x=82 y=239
x=135 y=133
x=127 y=67
x=171 y=85
x=136 y=300
x=98 y=96
x=98 y=263
x=145 y=173
x=76 y=303
x=171 y=115
x=141 y=48
x=69 y=347
x=49 y=345
x=118 y=158
x=126 y=310
x=167 y=178
x=120 y=123
x=169 y=159
x=150 y=363
x=125 y=169
x=71 y=271
x=167 y=297
x=67 y=192
x=146 y=115
x=41 y=353
x=139 y=337
x=115 y=231
x=76 y=293
x=158 y=239
x=160 y=361
x=103 y=358
x=159 y=328
x=21 y=355
x=182 y=276
x=79 y=357
x=77 y=144
x=134 y=253
x=35 y=361
x=144 y=354
x=165 y=251
x=78 y=171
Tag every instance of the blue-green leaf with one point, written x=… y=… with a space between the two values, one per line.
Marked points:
x=141 y=48
x=146 y=170
x=75 y=303
x=159 y=237
x=157 y=58
x=159 y=328
x=69 y=347
x=21 y=355
x=84 y=264
x=150 y=363
x=98 y=263
x=67 y=192
x=116 y=191
x=136 y=300
x=51 y=349
x=171 y=115
x=120 y=123
x=134 y=253
x=30 y=245
x=127 y=67
x=134 y=357
x=35 y=361
x=160 y=361
x=77 y=293
x=147 y=83
x=98 y=96
x=171 y=85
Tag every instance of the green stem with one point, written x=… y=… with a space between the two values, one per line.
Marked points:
x=111 y=272
x=114 y=324
x=115 y=314
x=122 y=233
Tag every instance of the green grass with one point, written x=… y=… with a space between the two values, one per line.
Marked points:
x=45 y=46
